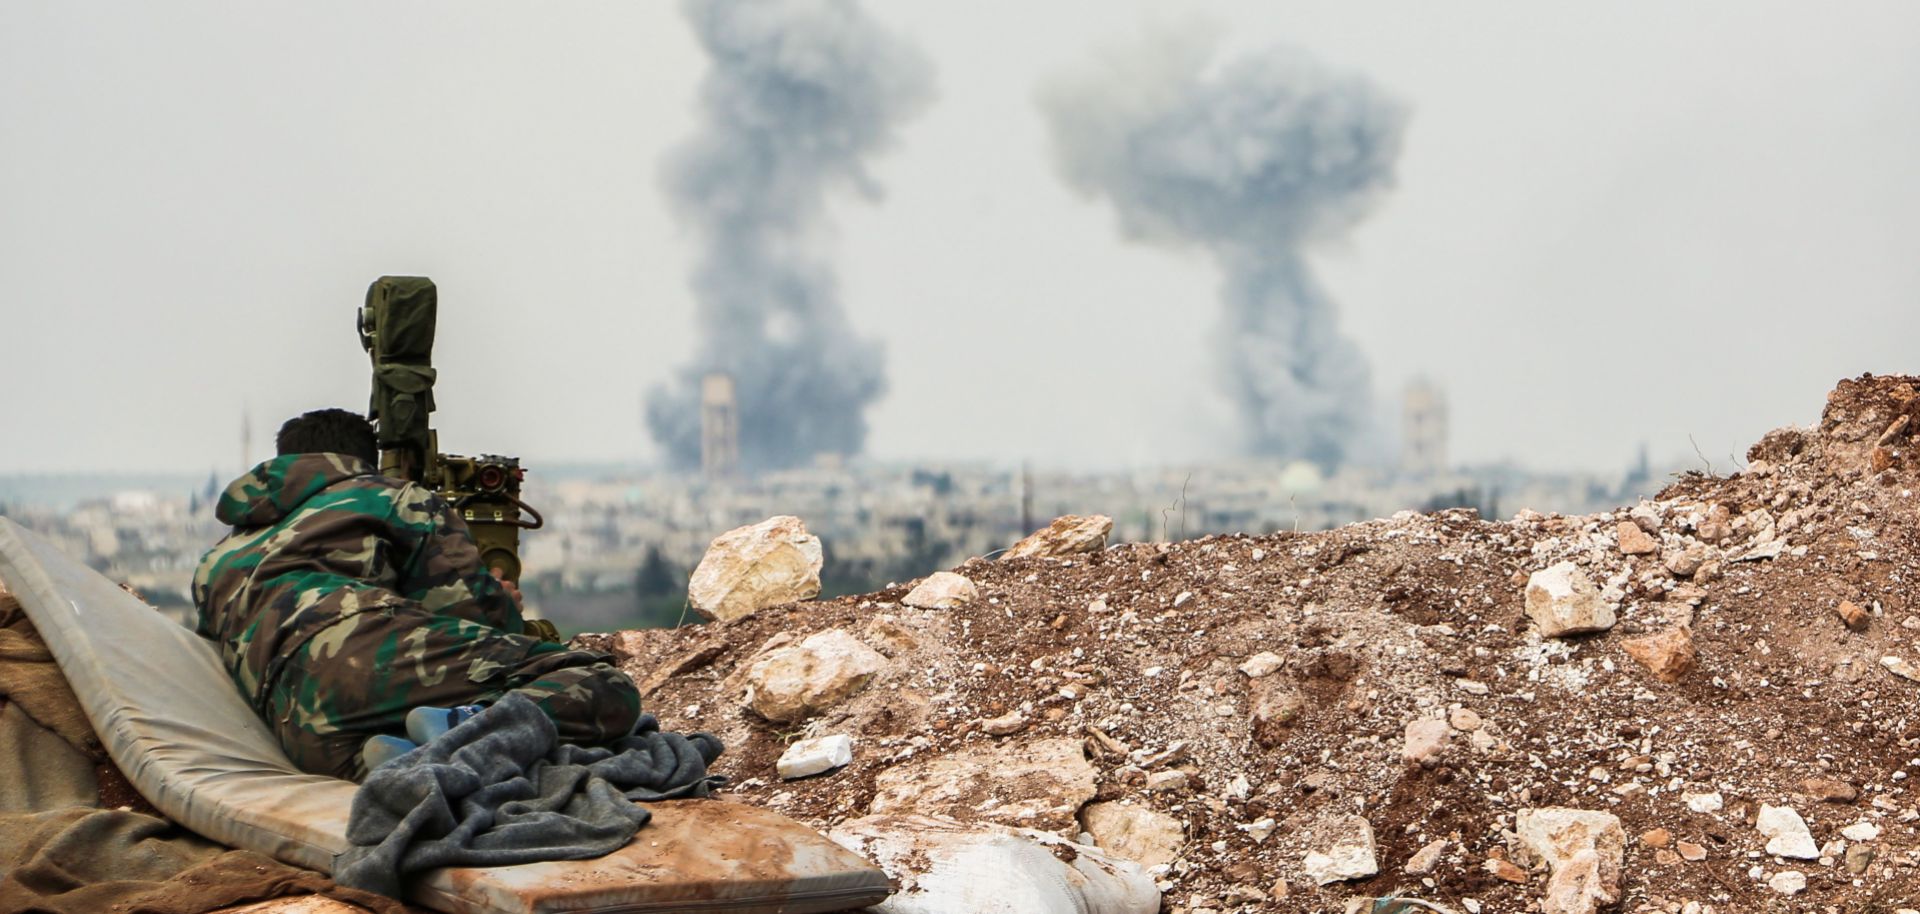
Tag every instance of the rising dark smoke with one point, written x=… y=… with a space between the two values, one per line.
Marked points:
x=800 y=93
x=1253 y=161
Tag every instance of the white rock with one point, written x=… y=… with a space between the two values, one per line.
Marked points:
x=1260 y=829
x=1145 y=836
x=748 y=569
x=1787 y=834
x=944 y=867
x=1684 y=562
x=1584 y=851
x=1185 y=597
x=1173 y=779
x=1646 y=516
x=1069 y=535
x=1005 y=725
x=800 y=680
x=1861 y=831
x=1562 y=600
x=1425 y=738
x=1703 y=802
x=942 y=590
x=1264 y=663
x=1901 y=667
x=1788 y=882
x=1766 y=550
x=1344 y=851
x=812 y=756
x=1426 y=859
x=1039 y=784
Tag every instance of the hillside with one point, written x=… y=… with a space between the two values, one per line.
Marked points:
x=1243 y=697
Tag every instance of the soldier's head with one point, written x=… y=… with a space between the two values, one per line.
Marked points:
x=329 y=431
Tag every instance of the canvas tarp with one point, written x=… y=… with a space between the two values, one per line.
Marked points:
x=60 y=853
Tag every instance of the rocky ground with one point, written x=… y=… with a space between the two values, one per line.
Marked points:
x=1235 y=713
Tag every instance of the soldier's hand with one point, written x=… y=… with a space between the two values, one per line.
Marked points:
x=511 y=588
x=544 y=630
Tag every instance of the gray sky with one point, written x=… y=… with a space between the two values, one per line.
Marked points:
x=1613 y=223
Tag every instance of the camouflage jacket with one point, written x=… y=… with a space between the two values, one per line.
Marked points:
x=321 y=537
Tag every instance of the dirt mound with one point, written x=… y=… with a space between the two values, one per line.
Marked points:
x=1789 y=579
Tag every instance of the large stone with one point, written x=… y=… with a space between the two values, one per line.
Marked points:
x=1717 y=525
x=1859 y=858
x=1669 y=654
x=1264 y=663
x=1786 y=833
x=748 y=569
x=1788 y=882
x=1583 y=851
x=1831 y=790
x=1041 y=784
x=1852 y=615
x=1901 y=667
x=1426 y=739
x=1684 y=562
x=812 y=756
x=1635 y=541
x=1069 y=535
x=1861 y=831
x=1504 y=870
x=945 y=867
x=1344 y=850
x=1427 y=859
x=1562 y=600
x=941 y=590
x=1005 y=725
x=801 y=680
x=1145 y=836
x=1276 y=706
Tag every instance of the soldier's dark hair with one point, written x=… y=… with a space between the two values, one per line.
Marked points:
x=329 y=431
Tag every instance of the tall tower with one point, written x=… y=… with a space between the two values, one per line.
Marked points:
x=246 y=439
x=1423 y=429
x=719 y=426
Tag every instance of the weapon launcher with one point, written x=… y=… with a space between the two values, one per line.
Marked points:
x=396 y=329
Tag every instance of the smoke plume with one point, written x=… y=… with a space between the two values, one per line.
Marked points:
x=800 y=93
x=1253 y=161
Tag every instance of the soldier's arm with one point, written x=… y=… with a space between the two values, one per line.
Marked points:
x=443 y=569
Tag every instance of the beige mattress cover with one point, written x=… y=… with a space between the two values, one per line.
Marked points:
x=172 y=720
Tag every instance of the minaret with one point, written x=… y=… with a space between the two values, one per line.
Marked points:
x=246 y=439
x=1423 y=430
x=719 y=426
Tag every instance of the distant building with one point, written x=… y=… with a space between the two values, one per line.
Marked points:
x=1423 y=430
x=246 y=439
x=719 y=426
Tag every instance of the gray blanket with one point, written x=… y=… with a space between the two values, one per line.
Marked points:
x=501 y=789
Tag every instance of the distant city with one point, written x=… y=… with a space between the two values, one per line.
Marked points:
x=619 y=541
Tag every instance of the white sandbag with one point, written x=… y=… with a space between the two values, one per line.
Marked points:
x=945 y=867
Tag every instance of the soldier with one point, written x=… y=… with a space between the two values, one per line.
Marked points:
x=350 y=607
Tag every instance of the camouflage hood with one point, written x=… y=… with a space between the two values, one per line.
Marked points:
x=273 y=490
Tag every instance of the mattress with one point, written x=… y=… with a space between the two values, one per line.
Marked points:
x=173 y=722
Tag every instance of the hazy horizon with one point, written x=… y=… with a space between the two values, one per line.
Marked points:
x=1605 y=226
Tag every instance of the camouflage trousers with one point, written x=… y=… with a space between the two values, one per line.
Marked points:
x=360 y=676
